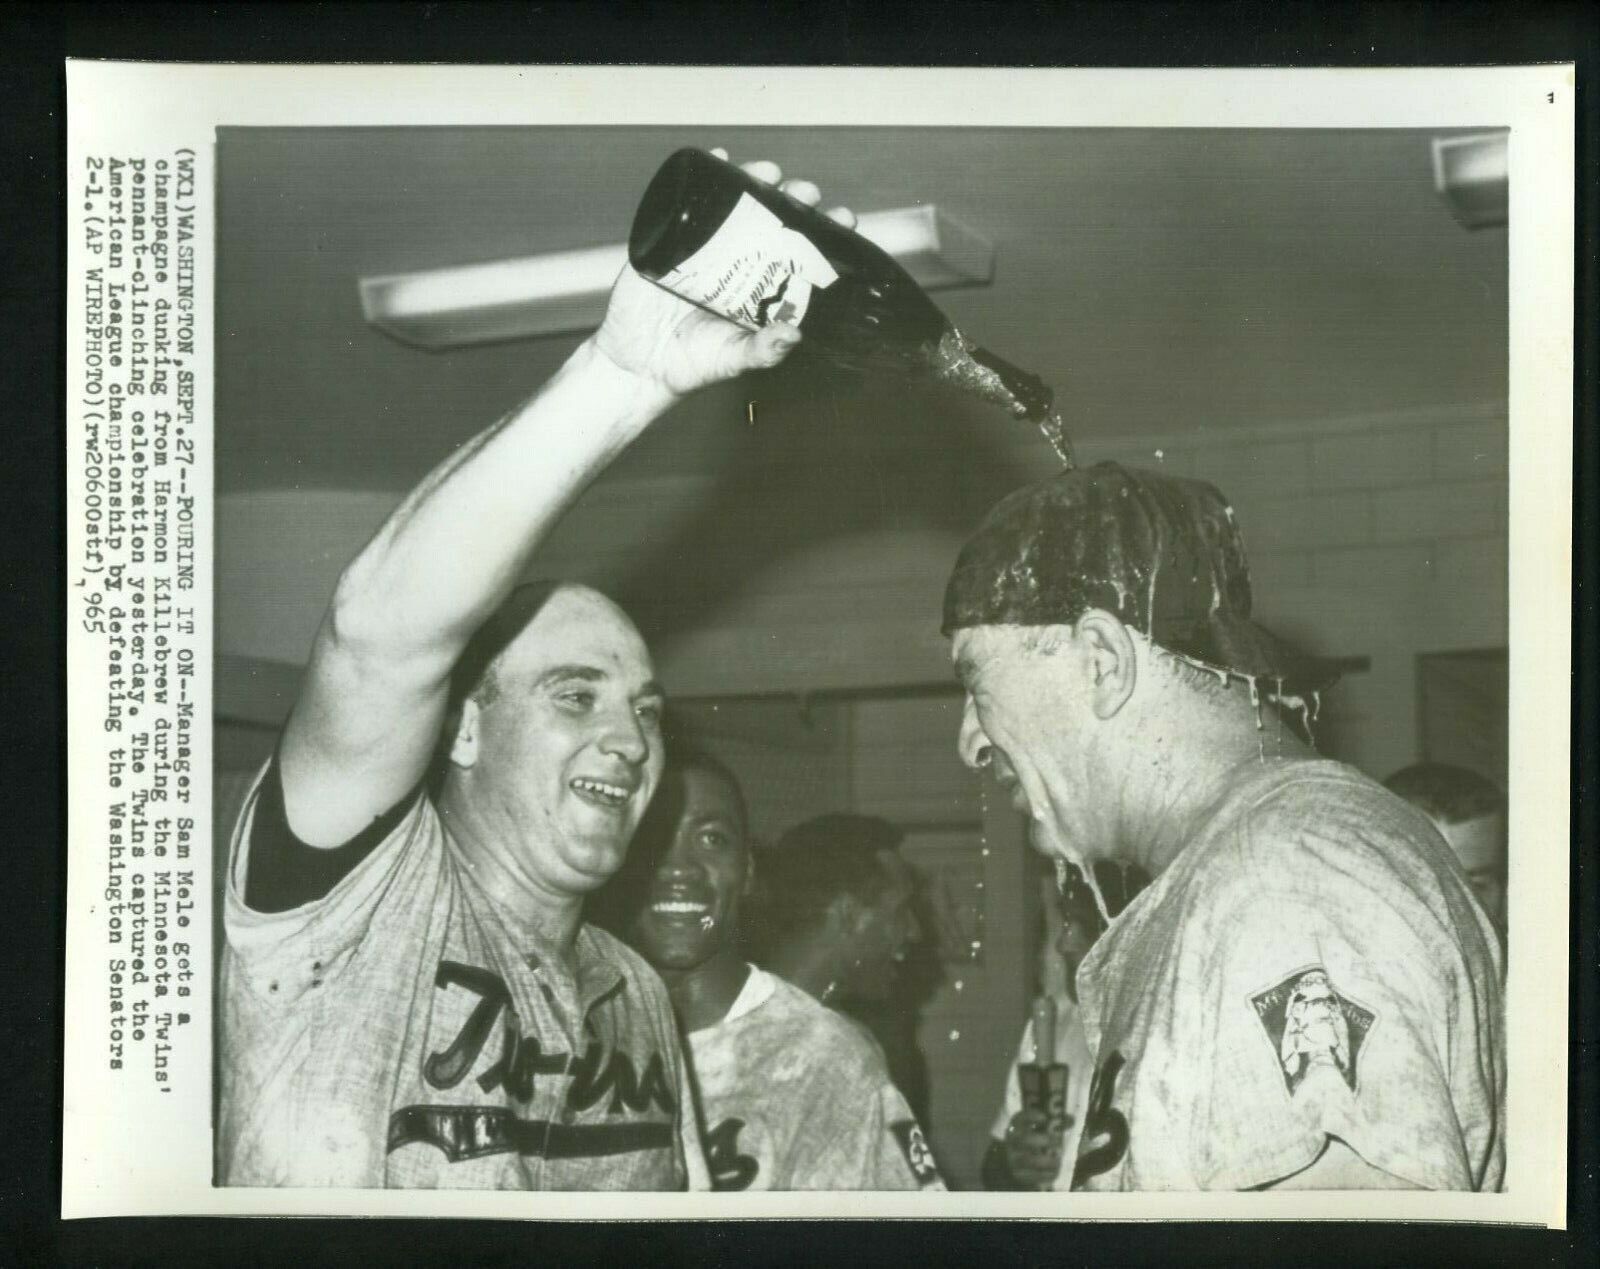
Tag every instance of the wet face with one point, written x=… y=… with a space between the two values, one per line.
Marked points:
x=1026 y=724
x=699 y=874
x=884 y=933
x=562 y=755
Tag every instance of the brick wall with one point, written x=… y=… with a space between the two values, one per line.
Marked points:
x=1379 y=537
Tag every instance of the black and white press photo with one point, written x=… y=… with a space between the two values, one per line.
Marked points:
x=1140 y=664
x=907 y=665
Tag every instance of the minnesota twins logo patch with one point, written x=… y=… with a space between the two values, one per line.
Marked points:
x=1311 y=1025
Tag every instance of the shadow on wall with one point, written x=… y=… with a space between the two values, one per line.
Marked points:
x=830 y=456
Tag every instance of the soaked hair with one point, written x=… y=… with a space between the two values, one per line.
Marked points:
x=1042 y=641
x=809 y=869
x=1046 y=641
x=1447 y=794
x=1194 y=677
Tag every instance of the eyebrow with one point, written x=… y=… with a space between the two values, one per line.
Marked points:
x=556 y=674
x=594 y=674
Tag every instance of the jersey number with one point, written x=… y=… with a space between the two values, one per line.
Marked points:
x=1102 y=1120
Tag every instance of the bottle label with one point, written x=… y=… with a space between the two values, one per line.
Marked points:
x=754 y=270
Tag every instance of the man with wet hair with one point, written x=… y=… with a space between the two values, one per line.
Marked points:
x=1469 y=810
x=1119 y=692
x=410 y=996
x=791 y=1096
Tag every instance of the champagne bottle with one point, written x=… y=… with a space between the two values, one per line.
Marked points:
x=713 y=235
x=1043 y=1082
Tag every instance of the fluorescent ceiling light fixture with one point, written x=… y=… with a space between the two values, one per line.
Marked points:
x=1471 y=174
x=562 y=292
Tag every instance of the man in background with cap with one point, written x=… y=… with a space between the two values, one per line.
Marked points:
x=1306 y=994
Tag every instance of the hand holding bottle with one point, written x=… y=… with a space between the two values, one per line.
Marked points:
x=651 y=333
x=1035 y=1136
x=1034 y=1144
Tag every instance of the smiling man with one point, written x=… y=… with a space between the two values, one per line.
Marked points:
x=1306 y=994
x=410 y=996
x=793 y=1096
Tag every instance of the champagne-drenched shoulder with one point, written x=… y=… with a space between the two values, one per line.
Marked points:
x=1322 y=810
x=1324 y=836
x=848 y=1044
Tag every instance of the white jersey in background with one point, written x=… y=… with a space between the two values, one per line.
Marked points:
x=794 y=1096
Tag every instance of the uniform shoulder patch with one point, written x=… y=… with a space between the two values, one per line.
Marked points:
x=1311 y=1025
x=915 y=1148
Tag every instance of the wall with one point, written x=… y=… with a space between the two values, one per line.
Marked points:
x=1380 y=537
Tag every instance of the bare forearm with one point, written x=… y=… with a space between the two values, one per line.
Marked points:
x=453 y=549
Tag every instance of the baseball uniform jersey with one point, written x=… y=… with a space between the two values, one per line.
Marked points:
x=1072 y=1051
x=1311 y=964
x=392 y=1033
x=796 y=1097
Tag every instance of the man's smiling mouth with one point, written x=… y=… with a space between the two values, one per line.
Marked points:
x=1012 y=788
x=680 y=907
x=600 y=792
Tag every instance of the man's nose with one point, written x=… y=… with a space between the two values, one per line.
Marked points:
x=675 y=861
x=972 y=744
x=624 y=737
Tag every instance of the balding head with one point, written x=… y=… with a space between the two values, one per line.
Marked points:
x=547 y=605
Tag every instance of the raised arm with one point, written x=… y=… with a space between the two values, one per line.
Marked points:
x=365 y=725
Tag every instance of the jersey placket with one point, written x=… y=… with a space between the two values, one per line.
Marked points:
x=538 y=996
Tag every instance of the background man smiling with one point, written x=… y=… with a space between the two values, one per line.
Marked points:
x=793 y=1095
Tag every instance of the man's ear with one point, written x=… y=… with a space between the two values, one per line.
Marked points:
x=464 y=746
x=1110 y=657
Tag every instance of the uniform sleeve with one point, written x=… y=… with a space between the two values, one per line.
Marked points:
x=280 y=955
x=855 y=1131
x=902 y=1159
x=1011 y=1101
x=1329 y=1015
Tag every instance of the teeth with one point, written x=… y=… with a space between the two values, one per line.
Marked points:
x=679 y=907
x=611 y=793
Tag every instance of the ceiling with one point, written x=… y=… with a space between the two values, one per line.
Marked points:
x=1164 y=281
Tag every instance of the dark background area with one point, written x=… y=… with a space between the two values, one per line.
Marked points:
x=34 y=39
